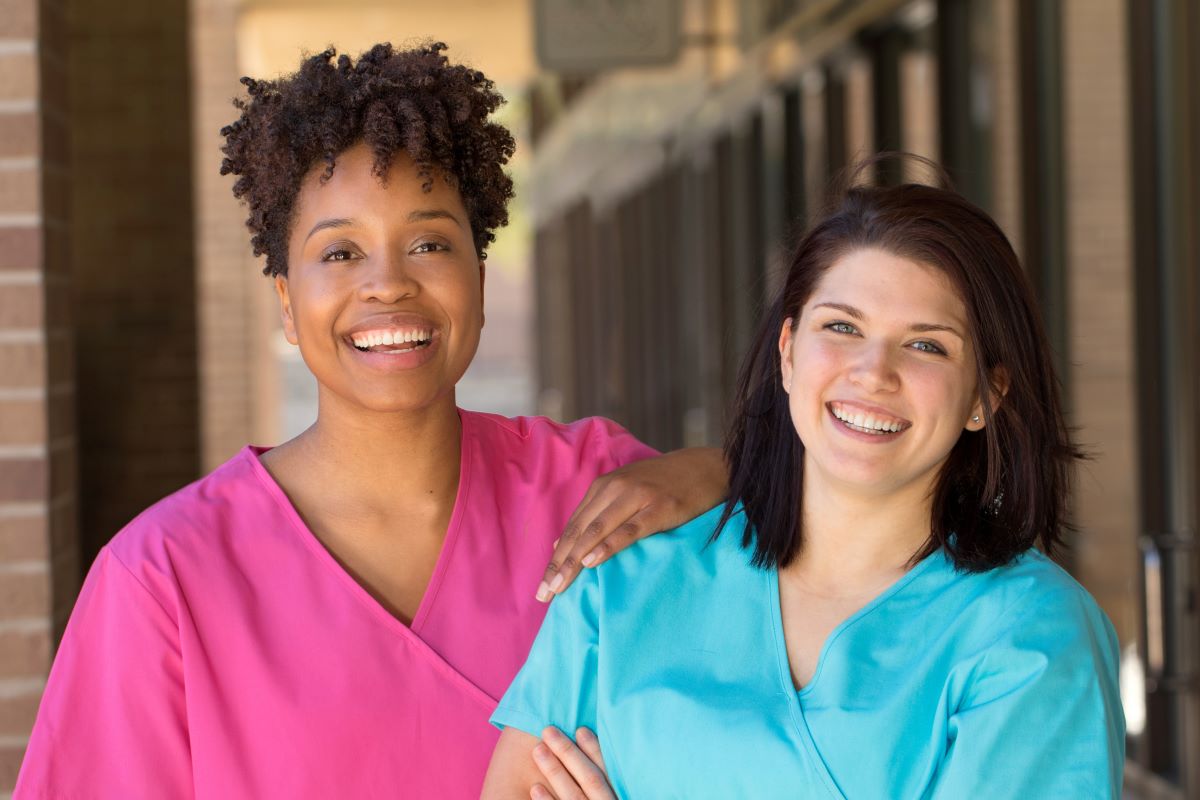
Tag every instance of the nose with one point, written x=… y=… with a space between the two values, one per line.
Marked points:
x=387 y=279
x=874 y=369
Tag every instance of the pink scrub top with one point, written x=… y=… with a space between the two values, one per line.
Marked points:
x=218 y=650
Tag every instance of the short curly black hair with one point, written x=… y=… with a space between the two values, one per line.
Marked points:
x=412 y=100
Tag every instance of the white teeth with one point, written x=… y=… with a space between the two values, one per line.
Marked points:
x=390 y=338
x=866 y=421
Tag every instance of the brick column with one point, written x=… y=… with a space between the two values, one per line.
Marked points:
x=1100 y=264
x=1006 y=122
x=39 y=552
x=238 y=395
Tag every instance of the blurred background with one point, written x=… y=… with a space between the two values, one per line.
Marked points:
x=667 y=148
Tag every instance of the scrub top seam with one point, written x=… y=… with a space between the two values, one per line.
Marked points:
x=771 y=577
x=106 y=550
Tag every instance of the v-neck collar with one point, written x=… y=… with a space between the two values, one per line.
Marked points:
x=794 y=697
x=411 y=634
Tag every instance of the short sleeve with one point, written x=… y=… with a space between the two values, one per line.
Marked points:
x=1042 y=716
x=621 y=446
x=558 y=684
x=112 y=720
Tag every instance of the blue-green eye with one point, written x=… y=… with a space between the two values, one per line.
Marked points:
x=928 y=347
x=841 y=327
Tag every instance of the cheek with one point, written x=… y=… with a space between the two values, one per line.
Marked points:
x=461 y=296
x=814 y=369
x=314 y=308
x=814 y=364
x=943 y=390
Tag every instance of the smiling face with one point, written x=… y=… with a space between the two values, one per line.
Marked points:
x=384 y=290
x=880 y=374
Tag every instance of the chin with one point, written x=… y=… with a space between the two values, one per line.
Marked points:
x=870 y=478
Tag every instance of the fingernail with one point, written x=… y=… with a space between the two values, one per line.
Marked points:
x=543 y=593
x=553 y=734
x=541 y=752
x=591 y=558
x=585 y=734
x=557 y=583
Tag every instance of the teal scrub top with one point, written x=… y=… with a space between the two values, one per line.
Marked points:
x=947 y=685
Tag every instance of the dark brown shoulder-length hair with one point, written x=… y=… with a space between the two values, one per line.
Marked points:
x=1002 y=489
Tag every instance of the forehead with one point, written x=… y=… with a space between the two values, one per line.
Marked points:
x=354 y=189
x=880 y=283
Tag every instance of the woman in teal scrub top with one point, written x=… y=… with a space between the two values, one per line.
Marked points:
x=870 y=615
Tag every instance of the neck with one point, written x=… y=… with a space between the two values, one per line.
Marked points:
x=852 y=541
x=383 y=460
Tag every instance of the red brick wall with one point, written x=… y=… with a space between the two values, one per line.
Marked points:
x=98 y=387
x=39 y=553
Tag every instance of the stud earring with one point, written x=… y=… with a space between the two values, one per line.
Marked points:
x=975 y=419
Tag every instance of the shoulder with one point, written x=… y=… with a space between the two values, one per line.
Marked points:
x=694 y=538
x=1034 y=585
x=594 y=438
x=197 y=516
x=677 y=559
x=1032 y=616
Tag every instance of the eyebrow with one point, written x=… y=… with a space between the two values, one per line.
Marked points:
x=920 y=327
x=340 y=222
x=420 y=215
x=423 y=214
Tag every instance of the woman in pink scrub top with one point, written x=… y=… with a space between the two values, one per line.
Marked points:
x=337 y=616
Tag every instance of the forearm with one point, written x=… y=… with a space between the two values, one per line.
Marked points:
x=512 y=772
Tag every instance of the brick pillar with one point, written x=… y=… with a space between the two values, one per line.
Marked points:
x=39 y=552
x=236 y=309
x=1006 y=122
x=1100 y=265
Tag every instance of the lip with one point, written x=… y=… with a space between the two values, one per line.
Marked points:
x=875 y=438
x=397 y=320
x=393 y=362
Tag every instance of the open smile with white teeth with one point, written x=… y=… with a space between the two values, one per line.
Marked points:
x=392 y=340
x=872 y=423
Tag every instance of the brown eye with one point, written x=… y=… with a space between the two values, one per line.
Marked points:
x=430 y=247
x=339 y=254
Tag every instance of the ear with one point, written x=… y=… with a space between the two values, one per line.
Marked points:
x=482 y=276
x=997 y=389
x=285 y=310
x=785 y=354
